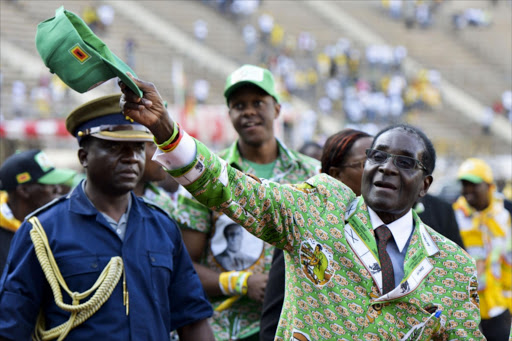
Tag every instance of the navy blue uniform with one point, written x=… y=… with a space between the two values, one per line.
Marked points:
x=164 y=290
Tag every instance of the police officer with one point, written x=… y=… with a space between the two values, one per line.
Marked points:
x=102 y=247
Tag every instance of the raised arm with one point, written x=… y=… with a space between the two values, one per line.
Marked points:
x=277 y=214
x=149 y=110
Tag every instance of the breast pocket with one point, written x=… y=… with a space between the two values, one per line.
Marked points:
x=80 y=272
x=161 y=273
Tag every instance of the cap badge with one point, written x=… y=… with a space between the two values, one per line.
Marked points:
x=23 y=177
x=79 y=53
x=247 y=73
x=43 y=161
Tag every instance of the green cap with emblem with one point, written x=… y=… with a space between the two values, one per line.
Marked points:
x=251 y=74
x=73 y=52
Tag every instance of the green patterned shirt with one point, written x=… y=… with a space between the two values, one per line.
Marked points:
x=160 y=197
x=243 y=317
x=338 y=296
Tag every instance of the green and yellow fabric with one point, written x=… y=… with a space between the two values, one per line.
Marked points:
x=159 y=197
x=487 y=236
x=244 y=314
x=7 y=219
x=437 y=299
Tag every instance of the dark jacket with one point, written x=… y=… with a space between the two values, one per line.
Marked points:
x=439 y=215
x=164 y=290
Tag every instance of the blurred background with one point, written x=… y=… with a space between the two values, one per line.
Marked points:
x=442 y=65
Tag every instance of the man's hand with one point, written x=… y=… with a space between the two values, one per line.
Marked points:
x=149 y=111
x=256 y=285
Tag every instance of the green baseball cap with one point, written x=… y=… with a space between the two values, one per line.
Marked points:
x=71 y=50
x=253 y=75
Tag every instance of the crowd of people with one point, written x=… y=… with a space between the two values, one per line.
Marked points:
x=48 y=98
x=99 y=17
x=367 y=83
x=260 y=242
x=161 y=238
x=420 y=13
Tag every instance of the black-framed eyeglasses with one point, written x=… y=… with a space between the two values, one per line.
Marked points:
x=401 y=161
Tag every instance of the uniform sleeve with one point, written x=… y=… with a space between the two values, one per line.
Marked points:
x=22 y=287
x=189 y=302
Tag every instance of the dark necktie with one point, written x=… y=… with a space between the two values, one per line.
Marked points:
x=388 y=275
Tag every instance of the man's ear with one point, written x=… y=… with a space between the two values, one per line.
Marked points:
x=82 y=157
x=427 y=181
x=22 y=192
x=277 y=108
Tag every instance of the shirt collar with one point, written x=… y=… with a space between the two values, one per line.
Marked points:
x=233 y=157
x=401 y=228
x=80 y=203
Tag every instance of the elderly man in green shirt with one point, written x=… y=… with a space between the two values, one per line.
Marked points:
x=390 y=276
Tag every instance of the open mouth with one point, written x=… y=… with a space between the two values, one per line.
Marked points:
x=383 y=184
x=250 y=124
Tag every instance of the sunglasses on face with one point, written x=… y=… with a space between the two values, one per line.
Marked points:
x=401 y=161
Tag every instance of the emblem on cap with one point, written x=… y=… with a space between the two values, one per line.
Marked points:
x=23 y=177
x=78 y=52
x=247 y=73
x=43 y=161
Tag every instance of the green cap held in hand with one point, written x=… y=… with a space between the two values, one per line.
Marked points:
x=73 y=52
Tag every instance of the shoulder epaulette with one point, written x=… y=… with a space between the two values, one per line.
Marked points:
x=47 y=206
x=153 y=205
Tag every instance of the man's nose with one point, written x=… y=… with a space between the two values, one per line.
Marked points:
x=388 y=165
x=249 y=109
x=56 y=189
x=130 y=155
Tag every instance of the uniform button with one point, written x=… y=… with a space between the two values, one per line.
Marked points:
x=118 y=231
x=94 y=265
x=153 y=259
x=377 y=306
